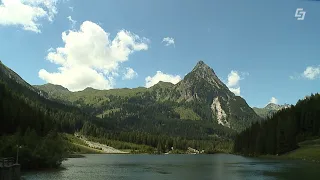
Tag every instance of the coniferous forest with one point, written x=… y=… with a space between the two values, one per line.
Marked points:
x=283 y=131
x=30 y=130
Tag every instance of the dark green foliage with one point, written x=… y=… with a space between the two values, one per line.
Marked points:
x=283 y=131
x=33 y=130
x=35 y=152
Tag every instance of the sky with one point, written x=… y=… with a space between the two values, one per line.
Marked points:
x=259 y=49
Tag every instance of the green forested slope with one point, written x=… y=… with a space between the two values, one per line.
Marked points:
x=28 y=127
x=283 y=131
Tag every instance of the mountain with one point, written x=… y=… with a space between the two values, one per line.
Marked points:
x=269 y=109
x=203 y=85
x=139 y=116
x=198 y=112
x=201 y=95
x=277 y=107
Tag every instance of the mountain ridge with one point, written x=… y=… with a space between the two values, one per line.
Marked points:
x=270 y=109
x=200 y=87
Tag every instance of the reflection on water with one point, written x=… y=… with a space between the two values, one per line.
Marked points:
x=176 y=167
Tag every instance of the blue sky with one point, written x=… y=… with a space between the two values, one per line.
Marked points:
x=261 y=45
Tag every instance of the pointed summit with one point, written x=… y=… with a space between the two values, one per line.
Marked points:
x=201 y=65
x=202 y=72
x=272 y=106
x=202 y=83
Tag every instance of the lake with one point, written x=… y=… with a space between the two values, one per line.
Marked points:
x=176 y=167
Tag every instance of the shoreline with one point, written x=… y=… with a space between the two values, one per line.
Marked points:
x=83 y=155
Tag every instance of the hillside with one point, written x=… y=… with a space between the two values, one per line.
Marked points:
x=33 y=130
x=308 y=150
x=284 y=131
x=201 y=95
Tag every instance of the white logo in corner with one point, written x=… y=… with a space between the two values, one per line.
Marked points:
x=300 y=14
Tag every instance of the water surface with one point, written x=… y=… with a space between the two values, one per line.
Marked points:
x=176 y=167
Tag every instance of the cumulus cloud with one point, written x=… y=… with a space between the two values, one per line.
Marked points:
x=273 y=100
x=71 y=8
x=236 y=91
x=233 y=79
x=89 y=58
x=27 y=13
x=160 y=76
x=168 y=41
x=311 y=72
x=73 y=22
x=233 y=83
x=129 y=74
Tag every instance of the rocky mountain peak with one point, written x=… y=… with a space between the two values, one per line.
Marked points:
x=272 y=106
x=203 y=73
x=203 y=67
x=201 y=63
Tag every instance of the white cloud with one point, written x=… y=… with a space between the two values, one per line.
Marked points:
x=71 y=8
x=27 y=13
x=234 y=81
x=129 y=74
x=273 y=100
x=78 y=78
x=89 y=58
x=73 y=22
x=236 y=91
x=168 y=41
x=160 y=76
x=311 y=72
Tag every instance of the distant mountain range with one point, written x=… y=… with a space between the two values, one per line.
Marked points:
x=270 y=109
x=201 y=95
x=199 y=105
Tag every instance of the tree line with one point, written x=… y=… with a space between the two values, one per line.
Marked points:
x=282 y=132
x=160 y=142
